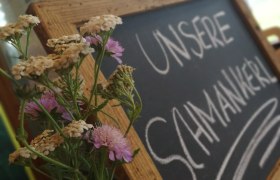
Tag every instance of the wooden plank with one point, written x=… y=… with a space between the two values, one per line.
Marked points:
x=275 y=173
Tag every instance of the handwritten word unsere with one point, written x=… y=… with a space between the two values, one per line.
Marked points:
x=210 y=33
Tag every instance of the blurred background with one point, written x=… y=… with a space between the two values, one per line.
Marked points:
x=9 y=11
x=266 y=12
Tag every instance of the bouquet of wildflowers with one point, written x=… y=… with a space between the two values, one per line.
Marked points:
x=72 y=143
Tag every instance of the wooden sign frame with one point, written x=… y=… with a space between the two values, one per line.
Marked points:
x=61 y=17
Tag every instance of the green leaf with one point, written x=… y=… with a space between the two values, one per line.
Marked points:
x=101 y=106
x=20 y=136
x=129 y=114
x=112 y=118
x=135 y=152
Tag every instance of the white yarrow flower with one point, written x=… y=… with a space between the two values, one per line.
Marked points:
x=76 y=128
x=100 y=23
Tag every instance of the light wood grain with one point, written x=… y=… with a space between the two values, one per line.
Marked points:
x=275 y=173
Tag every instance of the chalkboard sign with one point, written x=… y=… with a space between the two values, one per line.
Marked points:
x=211 y=102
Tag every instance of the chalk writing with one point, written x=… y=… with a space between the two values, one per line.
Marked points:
x=265 y=127
x=207 y=92
x=214 y=31
x=231 y=94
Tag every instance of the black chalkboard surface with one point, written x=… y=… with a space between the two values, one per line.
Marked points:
x=211 y=101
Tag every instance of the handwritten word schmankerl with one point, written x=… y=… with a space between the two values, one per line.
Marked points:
x=210 y=33
x=228 y=97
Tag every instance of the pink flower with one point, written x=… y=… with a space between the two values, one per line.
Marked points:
x=93 y=40
x=115 y=49
x=112 y=138
x=112 y=47
x=49 y=102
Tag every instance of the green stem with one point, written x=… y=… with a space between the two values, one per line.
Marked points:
x=27 y=41
x=62 y=99
x=40 y=171
x=74 y=94
x=139 y=98
x=93 y=169
x=50 y=160
x=49 y=85
x=75 y=154
x=24 y=142
x=129 y=127
x=97 y=68
x=96 y=74
x=18 y=43
x=54 y=123
x=111 y=117
x=21 y=117
x=4 y=73
x=102 y=164
x=132 y=120
x=97 y=58
x=76 y=176
x=76 y=78
x=73 y=91
x=86 y=162
x=14 y=43
x=113 y=171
